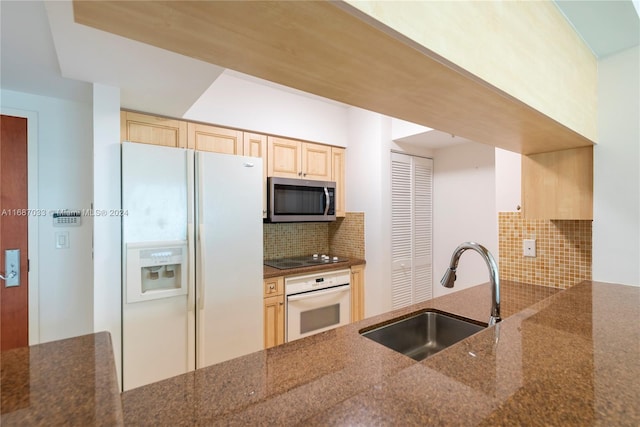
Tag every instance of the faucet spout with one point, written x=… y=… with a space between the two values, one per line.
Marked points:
x=449 y=277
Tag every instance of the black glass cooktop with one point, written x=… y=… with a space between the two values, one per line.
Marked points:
x=303 y=261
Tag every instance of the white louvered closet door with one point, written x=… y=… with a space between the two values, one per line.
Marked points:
x=411 y=229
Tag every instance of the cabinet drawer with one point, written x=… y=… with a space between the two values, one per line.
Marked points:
x=273 y=286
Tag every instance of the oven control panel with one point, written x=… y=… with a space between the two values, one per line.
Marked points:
x=319 y=280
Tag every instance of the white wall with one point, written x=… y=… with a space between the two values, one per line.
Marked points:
x=464 y=209
x=616 y=192
x=402 y=129
x=243 y=103
x=64 y=182
x=508 y=181
x=365 y=181
x=107 y=229
x=464 y=204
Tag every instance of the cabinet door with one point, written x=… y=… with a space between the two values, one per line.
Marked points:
x=273 y=321
x=215 y=139
x=283 y=157
x=558 y=185
x=316 y=161
x=338 y=175
x=357 y=293
x=146 y=129
x=255 y=145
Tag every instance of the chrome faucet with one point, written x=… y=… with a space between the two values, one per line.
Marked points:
x=450 y=276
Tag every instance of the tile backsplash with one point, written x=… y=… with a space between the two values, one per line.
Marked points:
x=563 y=250
x=344 y=237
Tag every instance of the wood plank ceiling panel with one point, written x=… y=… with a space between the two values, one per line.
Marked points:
x=330 y=49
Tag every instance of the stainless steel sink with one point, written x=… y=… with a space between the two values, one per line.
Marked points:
x=423 y=334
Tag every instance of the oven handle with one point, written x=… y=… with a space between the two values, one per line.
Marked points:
x=314 y=294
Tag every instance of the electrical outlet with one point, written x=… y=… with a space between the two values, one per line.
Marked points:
x=529 y=247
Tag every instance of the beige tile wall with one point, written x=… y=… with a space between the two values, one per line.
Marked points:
x=283 y=240
x=344 y=237
x=563 y=251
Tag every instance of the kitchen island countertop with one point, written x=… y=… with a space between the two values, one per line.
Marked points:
x=570 y=359
x=67 y=382
x=558 y=358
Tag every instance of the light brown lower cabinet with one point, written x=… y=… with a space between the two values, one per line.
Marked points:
x=274 y=305
x=273 y=311
x=357 y=293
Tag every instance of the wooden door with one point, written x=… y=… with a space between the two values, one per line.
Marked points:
x=283 y=158
x=316 y=161
x=215 y=139
x=14 y=304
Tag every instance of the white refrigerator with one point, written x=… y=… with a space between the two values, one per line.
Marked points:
x=192 y=260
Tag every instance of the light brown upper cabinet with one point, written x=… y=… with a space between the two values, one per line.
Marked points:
x=215 y=139
x=338 y=175
x=155 y=130
x=284 y=158
x=558 y=185
x=289 y=158
x=255 y=145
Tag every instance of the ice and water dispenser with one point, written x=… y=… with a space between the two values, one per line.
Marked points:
x=156 y=270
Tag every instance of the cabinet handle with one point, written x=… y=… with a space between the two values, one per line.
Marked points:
x=304 y=174
x=281 y=303
x=299 y=173
x=272 y=287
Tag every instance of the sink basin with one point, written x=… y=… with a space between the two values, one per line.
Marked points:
x=423 y=334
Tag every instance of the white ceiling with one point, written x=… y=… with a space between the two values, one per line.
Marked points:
x=146 y=75
x=606 y=26
x=28 y=60
x=43 y=51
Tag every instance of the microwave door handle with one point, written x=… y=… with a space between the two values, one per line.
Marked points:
x=327 y=201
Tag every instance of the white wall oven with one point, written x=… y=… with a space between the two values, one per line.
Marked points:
x=317 y=302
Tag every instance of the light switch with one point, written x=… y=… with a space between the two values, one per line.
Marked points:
x=62 y=240
x=529 y=247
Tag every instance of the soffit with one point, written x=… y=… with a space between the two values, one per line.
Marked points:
x=322 y=49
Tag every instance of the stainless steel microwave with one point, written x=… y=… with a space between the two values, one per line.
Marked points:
x=300 y=200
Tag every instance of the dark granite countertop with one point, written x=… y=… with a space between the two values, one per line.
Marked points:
x=269 y=272
x=570 y=359
x=558 y=358
x=70 y=382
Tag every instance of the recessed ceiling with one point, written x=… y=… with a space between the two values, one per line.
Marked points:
x=28 y=58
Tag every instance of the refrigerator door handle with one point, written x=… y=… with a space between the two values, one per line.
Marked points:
x=203 y=256
x=191 y=302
